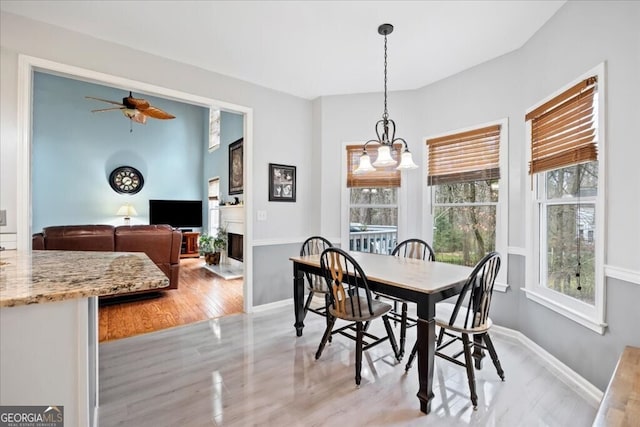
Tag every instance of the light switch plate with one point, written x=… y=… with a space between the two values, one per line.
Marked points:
x=262 y=215
x=3 y=217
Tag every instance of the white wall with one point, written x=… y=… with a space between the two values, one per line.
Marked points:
x=351 y=119
x=282 y=123
x=576 y=39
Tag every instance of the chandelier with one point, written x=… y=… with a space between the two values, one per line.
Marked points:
x=385 y=131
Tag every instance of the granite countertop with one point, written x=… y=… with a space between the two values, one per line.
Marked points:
x=47 y=276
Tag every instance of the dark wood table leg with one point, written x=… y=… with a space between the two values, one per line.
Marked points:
x=426 y=331
x=298 y=299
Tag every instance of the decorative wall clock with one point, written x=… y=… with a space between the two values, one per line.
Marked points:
x=126 y=179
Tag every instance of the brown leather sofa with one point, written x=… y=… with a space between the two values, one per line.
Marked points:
x=161 y=243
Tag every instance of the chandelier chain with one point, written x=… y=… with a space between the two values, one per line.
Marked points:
x=386 y=114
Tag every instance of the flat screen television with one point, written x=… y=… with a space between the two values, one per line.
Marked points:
x=177 y=213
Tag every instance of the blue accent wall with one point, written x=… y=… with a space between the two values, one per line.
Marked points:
x=75 y=150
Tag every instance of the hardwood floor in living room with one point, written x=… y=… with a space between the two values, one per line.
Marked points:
x=201 y=295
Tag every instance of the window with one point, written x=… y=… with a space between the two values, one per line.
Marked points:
x=373 y=204
x=565 y=270
x=466 y=195
x=213 y=194
x=214 y=128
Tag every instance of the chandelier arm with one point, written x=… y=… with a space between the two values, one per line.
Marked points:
x=406 y=146
x=364 y=147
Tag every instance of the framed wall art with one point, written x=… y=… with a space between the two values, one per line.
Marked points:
x=282 y=183
x=235 y=167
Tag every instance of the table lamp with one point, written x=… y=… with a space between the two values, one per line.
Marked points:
x=127 y=211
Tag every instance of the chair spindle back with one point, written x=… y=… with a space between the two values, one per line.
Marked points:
x=347 y=281
x=414 y=248
x=479 y=286
x=314 y=246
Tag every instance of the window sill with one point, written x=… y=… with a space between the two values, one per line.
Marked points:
x=577 y=317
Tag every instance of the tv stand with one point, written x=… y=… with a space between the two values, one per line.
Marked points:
x=189 y=247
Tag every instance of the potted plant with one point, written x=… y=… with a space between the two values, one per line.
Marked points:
x=211 y=246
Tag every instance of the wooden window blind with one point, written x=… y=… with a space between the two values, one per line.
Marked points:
x=381 y=177
x=467 y=156
x=563 y=130
x=213 y=189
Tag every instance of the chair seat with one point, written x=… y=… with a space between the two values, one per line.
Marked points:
x=443 y=316
x=379 y=308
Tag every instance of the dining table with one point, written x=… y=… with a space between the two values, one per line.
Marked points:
x=415 y=280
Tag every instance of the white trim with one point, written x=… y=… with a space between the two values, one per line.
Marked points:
x=500 y=287
x=516 y=250
x=273 y=305
x=569 y=313
x=590 y=316
x=27 y=65
x=623 y=274
x=592 y=394
x=288 y=241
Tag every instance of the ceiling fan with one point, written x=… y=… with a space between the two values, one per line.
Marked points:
x=136 y=109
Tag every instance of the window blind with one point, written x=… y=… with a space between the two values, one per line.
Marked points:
x=214 y=189
x=381 y=177
x=563 y=130
x=466 y=156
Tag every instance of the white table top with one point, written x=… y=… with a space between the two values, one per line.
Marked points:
x=414 y=274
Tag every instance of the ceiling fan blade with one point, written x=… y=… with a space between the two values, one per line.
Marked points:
x=105 y=100
x=107 y=109
x=157 y=113
x=137 y=103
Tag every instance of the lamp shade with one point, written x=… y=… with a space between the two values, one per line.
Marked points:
x=406 y=162
x=384 y=157
x=364 y=166
x=127 y=210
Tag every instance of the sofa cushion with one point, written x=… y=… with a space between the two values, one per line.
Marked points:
x=79 y=237
x=157 y=241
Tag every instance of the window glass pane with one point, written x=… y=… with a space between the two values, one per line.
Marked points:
x=564 y=183
x=373 y=228
x=374 y=196
x=464 y=234
x=461 y=192
x=571 y=231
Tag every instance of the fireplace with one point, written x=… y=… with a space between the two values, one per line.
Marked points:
x=234 y=246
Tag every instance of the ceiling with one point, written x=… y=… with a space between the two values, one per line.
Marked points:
x=308 y=48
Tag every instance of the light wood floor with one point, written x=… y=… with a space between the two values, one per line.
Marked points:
x=201 y=295
x=252 y=370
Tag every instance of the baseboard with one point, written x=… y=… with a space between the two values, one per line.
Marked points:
x=278 y=304
x=592 y=394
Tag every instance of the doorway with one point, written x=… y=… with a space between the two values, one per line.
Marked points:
x=27 y=66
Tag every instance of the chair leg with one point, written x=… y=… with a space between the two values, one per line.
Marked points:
x=412 y=356
x=326 y=336
x=494 y=355
x=392 y=338
x=359 y=339
x=327 y=303
x=403 y=328
x=307 y=304
x=470 y=373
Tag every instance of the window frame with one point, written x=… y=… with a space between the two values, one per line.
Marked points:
x=502 y=205
x=589 y=316
x=345 y=204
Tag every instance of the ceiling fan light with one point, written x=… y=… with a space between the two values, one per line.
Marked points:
x=384 y=157
x=406 y=161
x=365 y=165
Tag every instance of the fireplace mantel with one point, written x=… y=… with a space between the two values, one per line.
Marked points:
x=232 y=218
